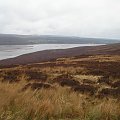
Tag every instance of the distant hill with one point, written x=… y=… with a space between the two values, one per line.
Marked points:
x=12 y=39
x=47 y=55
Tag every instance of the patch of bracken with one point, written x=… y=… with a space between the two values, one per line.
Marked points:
x=109 y=92
x=85 y=89
x=116 y=84
x=66 y=80
x=104 y=79
x=36 y=86
x=11 y=76
x=95 y=71
x=35 y=75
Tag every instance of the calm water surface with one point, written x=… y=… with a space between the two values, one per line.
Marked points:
x=9 y=51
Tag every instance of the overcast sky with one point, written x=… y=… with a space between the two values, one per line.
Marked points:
x=85 y=18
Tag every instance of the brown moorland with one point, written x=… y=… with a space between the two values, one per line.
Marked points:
x=74 y=88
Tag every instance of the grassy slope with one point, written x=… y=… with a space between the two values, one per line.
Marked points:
x=60 y=102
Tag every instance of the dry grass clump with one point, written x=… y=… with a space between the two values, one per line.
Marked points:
x=106 y=58
x=64 y=70
x=43 y=104
x=89 y=77
x=53 y=104
x=106 y=110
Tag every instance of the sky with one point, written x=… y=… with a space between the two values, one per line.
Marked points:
x=84 y=18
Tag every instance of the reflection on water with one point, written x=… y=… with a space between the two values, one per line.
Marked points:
x=9 y=51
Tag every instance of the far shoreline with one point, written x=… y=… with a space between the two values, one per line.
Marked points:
x=11 y=51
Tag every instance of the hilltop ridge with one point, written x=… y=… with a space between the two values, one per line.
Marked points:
x=14 y=39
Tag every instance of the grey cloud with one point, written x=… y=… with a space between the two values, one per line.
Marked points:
x=87 y=18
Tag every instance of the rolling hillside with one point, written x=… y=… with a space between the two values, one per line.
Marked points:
x=13 y=39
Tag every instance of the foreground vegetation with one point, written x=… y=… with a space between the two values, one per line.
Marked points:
x=79 y=88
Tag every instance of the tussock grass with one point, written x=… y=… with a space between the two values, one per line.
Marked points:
x=54 y=104
x=63 y=70
x=89 y=77
x=59 y=103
